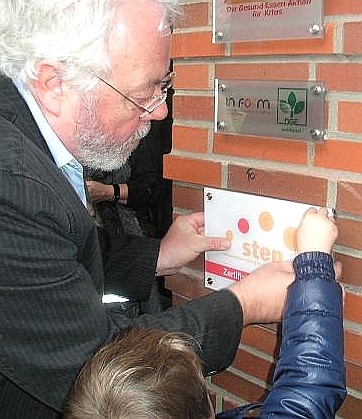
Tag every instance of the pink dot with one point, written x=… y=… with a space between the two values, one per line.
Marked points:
x=243 y=225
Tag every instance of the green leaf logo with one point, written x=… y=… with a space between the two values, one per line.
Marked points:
x=292 y=106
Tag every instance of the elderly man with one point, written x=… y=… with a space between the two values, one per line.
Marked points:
x=82 y=79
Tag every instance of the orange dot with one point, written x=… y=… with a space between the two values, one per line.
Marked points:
x=229 y=235
x=290 y=238
x=266 y=221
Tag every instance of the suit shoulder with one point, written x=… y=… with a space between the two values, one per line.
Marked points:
x=20 y=155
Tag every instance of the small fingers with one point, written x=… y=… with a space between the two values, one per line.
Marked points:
x=311 y=210
x=323 y=211
x=331 y=213
x=338 y=270
x=343 y=292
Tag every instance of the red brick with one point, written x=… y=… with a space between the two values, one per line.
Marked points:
x=193 y=15
x=238 y=386
x=194 y=107
x=282 y=185
x=260 y=338
x=349 y=197
x=352 y=38
x=354 y=376
x=345 y=7
x=188 y=198
x=353 y=346
x=261 y=148
x=192 y=76
x=349 y=233
x=200 y=172
x=352 y=268
x=187 y=286
x=197 y=44
x=267 y=71
x=352 y=308
x=340 y=155
x=254 y=366
x=198 y=264
x=351 y=408
x=349 y=117
x=341 y=77
x=190 y=138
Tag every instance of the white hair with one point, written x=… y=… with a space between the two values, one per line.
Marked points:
x=72 y=35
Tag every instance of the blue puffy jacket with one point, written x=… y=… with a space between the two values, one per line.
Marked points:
x=309 y=380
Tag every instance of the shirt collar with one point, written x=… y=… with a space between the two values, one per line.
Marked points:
x=70 y=167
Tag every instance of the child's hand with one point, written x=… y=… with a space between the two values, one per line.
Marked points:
x=316 y=232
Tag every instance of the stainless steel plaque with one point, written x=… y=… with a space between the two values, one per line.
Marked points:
x=281 y=109
x=245 y=20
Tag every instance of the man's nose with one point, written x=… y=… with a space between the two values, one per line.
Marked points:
x=158 y=114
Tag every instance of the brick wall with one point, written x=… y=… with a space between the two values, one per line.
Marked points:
x=327 y=173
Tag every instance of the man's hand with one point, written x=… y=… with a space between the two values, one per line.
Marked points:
x=99 y=191
x=184 y=242
x=262 y=293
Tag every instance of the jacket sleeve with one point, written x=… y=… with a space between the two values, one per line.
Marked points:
x=309 y=380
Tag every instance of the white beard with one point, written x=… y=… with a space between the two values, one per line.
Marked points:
x=97 y=149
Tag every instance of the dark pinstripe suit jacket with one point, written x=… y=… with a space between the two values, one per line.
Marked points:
x=51 y=279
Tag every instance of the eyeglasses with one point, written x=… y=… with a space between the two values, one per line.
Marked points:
x=155 y=101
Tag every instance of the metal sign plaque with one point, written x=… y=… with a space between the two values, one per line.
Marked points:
x=281 y=109
x=260 y=229
x=245 y=20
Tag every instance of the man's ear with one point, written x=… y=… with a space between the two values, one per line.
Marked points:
x=49 y=89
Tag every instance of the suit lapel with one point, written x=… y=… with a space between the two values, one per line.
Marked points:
x=14 y=109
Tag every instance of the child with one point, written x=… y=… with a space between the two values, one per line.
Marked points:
x=157 y=375
x=142 y=374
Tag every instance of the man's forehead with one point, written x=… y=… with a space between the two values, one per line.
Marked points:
x=141 y=22
x=139 y=43
x=155 y=13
